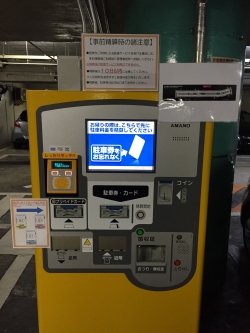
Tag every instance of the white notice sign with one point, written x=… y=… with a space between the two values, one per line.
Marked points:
x=120 y=62
x=199 y=92
x=30 y=223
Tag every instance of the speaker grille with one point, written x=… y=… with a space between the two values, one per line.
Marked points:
x=180 y=138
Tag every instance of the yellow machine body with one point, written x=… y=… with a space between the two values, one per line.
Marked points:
x=92 y=302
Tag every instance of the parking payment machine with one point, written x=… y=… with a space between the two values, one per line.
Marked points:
x=127 y=199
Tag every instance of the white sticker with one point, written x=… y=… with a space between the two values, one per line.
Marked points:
x=31 y=238
x=87 y=244
x=60 y=148
x=21 y=222
x=199 y=92
x=30 y=223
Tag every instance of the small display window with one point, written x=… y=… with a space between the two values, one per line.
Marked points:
x=61 y=165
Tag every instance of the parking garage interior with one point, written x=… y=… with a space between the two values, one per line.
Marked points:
x=32 y=40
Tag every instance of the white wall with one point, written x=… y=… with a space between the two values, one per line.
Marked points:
x=8 y=114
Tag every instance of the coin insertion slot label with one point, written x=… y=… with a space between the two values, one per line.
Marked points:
x=114 y=211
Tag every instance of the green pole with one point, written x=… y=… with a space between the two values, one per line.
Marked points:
x=175 y=22
x=225 y=37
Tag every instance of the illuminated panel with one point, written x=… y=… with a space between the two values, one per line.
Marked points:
x=120 y=146
x=61 y=165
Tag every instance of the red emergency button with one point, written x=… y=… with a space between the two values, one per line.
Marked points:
x=177 y=262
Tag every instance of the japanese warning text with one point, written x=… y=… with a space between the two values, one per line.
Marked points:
x=120 y=62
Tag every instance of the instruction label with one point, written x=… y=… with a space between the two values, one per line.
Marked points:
x=120 y=62
x=30 y=223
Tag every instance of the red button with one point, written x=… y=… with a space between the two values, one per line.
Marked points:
x=177 y=262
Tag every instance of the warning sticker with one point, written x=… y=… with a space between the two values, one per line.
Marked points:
x=87 y=245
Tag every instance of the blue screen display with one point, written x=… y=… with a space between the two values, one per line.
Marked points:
x=124 y=146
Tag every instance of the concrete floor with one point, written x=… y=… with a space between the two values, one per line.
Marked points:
x=14 y=169
x=227 y=312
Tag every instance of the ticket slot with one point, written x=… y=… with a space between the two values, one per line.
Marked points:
x=114 y=211
x=68 y=211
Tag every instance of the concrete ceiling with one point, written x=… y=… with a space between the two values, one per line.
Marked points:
x=50 y=27
x=30 y=28
x=52 y=20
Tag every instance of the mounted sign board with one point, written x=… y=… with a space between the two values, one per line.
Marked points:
x=30 y=223
x=120 y=62
x=199 y=92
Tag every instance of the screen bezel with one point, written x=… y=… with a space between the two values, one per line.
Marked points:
x=120 y=171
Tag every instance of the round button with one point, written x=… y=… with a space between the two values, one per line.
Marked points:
x=140 y=232
x=177 y=262
x=140 y=214
x=61 y=183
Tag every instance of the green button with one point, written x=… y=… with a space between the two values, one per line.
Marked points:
x=140 y=232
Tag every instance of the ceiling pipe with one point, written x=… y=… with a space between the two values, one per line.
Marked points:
x=82 y=16
x=42 y=51
x=105 y=16
x=92 y=11
x=98 y=18
x=89 y=15
x=28 y=63
x=200 y=30
x=24 y=57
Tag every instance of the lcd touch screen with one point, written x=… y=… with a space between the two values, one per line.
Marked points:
x=121 y=146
